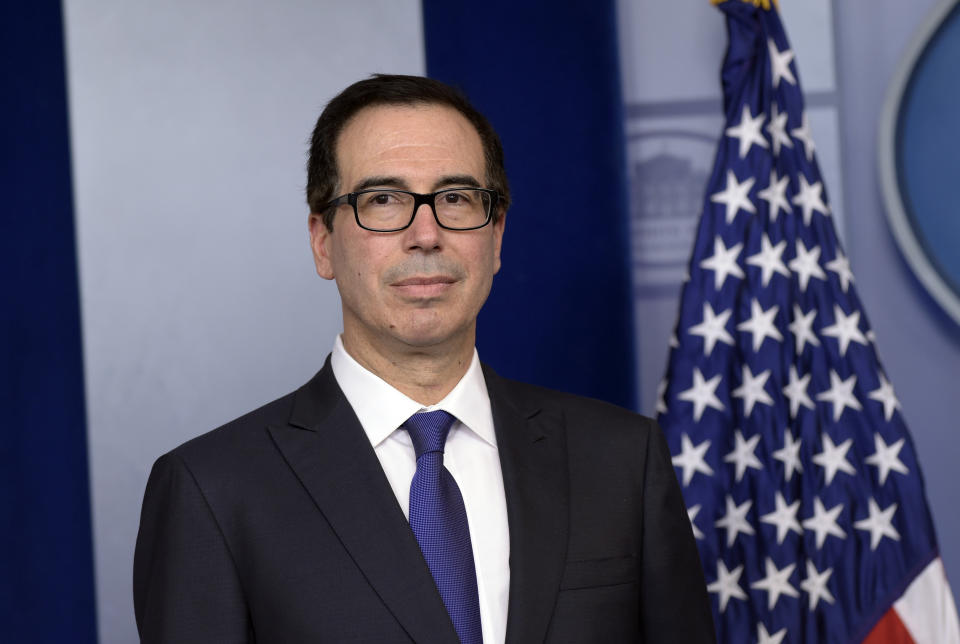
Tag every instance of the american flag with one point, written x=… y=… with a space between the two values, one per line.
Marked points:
x=801 y=481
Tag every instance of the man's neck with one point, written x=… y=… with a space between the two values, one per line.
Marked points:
x=424 y=374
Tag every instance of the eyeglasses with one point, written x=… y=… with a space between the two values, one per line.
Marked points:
x=387 y=211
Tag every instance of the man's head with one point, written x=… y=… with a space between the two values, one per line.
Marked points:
x=420 y=287
x=323 y=175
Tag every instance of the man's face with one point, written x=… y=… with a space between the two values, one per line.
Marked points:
x=422 y=286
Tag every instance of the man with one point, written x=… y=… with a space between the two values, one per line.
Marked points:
x=406 y=493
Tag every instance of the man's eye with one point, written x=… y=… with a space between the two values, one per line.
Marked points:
x=457 y=198
x=381 y=199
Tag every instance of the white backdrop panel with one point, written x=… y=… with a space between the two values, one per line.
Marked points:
x=189 y=125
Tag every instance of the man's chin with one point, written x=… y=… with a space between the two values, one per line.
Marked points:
x=427 y=334
x=424 y=339
x=442 y=328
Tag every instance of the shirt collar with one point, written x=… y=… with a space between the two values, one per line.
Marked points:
x=382 y=409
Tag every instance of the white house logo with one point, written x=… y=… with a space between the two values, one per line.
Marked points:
x=919 y=156
x=668 y=170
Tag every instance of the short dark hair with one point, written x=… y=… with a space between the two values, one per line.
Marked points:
x=391 y=89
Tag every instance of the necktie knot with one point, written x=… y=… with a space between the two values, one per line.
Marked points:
x=428 y=430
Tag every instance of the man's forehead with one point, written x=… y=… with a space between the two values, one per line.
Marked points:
x=386 y=139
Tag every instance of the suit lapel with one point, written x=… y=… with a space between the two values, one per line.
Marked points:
x=327 y=449
x=533 y=458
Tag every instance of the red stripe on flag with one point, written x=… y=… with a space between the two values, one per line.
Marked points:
x=889 y=630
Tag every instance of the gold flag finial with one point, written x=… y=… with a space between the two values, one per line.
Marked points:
x=763 y=4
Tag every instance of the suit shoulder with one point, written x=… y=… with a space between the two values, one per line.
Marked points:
x=242 y=434
x=581 y=410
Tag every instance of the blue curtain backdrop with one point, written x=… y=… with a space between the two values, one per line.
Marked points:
x=46 y=563
x=547 y=75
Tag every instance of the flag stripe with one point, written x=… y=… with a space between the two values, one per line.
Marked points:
x=548 y=78
x=889 y=630
x=927 y=608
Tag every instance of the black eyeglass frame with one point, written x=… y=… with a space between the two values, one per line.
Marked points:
x=418 y=200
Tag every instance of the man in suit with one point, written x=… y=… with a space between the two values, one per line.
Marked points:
x=407 y=492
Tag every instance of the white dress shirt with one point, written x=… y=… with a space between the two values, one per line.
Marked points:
x=470 y=455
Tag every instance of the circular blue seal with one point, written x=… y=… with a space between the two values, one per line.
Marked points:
x=919 y=156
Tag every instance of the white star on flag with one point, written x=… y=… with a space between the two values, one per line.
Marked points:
x=777 y=129
x=775 y=194
x=802 y=328
x=886 y=458
x=784 y=517
x=734 y=196
x=713 y=328
x=747 y=132
x=743 y=455
x=845 y=328
x=807 y=264
x=796 y=391
x=780 y=64
x=805 y=136
x=764 y=637
x=752 y=390
x=879 y=523
x=884 y=394
x=776 y=583
x=701 y=394
x=789 y=455
x=735 y=520
x=833 y=458
x=692 y=515
x=769 y=259
x=809 y=199
x=840 y=394
x=841 y=266
x=815 y=585
x=761 y=324
x=824 y=522
x=727 y=584
x=723 y=262
x=692 y=459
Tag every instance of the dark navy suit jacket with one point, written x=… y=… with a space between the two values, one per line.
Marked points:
x=281 y=527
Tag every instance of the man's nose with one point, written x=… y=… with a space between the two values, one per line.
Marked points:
x=424 y=233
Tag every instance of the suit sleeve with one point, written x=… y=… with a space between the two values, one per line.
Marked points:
x=673 y=594
x=185 y=584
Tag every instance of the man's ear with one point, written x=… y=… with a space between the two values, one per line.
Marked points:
x=320 y=244
x=498 y=239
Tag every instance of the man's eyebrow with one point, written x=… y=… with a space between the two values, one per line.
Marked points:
x=380 y=182
x=465 y=180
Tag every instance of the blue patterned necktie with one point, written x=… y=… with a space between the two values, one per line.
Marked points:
x=439 y=521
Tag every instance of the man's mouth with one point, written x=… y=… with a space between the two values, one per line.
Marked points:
x=425 y=281
x=424 y=286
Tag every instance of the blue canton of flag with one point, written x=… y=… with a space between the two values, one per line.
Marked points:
x=800 y=478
